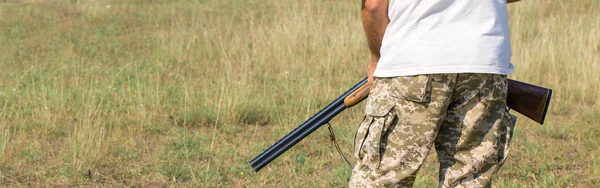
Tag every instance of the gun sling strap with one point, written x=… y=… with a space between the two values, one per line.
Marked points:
x=337 y=146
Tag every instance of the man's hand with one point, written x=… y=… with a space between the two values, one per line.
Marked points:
x=375 y=20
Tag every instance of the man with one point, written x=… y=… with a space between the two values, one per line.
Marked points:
x=438 y=73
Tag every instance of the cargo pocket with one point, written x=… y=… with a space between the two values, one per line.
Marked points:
x=368 y=139
x=368 y=142
x=369 y=145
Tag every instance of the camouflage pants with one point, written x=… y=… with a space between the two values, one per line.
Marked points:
x=464 y=115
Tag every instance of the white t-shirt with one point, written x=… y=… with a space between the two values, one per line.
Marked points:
x=445 y=36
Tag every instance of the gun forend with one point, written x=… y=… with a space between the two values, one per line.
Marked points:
x=357 y=96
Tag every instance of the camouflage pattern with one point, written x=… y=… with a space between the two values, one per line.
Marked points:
x=464 y=115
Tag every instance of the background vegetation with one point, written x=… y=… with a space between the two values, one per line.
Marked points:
x=185 y=93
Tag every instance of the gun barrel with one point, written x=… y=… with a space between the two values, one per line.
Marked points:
x=306 y=128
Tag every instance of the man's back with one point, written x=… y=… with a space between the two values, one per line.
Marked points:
x=445 y=36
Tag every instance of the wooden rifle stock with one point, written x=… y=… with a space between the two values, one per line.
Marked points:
x=527 y=99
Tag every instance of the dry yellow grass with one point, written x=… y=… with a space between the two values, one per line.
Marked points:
x=185 y=93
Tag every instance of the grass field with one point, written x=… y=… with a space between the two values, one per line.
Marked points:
x=152 y=93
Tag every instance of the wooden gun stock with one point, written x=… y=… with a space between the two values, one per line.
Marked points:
x=527 y=99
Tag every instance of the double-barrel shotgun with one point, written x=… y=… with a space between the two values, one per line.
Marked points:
x=527 y=99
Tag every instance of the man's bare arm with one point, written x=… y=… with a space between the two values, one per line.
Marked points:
x=375 y=20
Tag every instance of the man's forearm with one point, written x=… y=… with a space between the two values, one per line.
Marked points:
x=375 y=20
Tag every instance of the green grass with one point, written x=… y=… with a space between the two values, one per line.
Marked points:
x=185 y=93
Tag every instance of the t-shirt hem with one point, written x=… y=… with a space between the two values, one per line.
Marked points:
x=442 y=70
